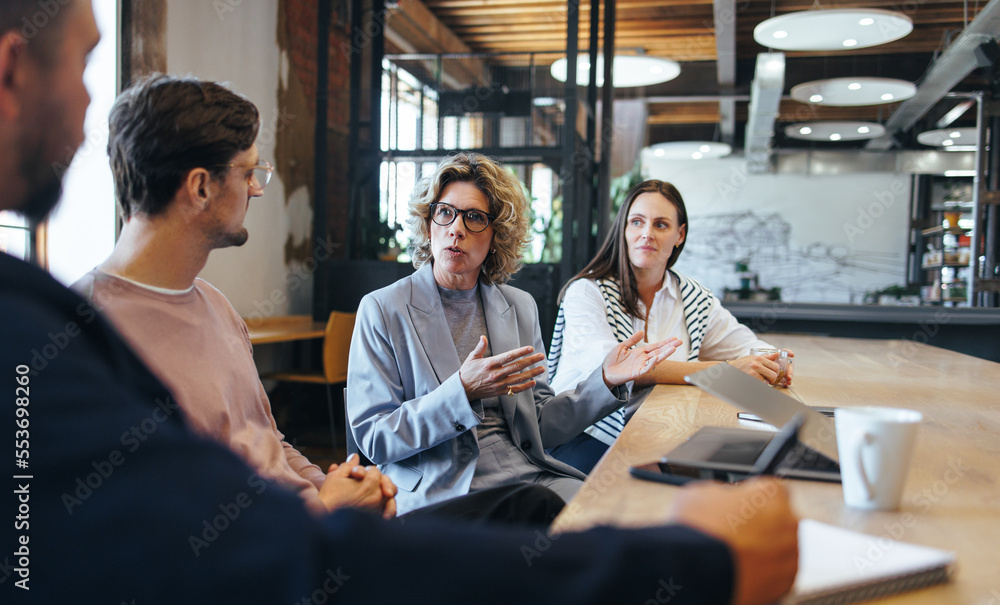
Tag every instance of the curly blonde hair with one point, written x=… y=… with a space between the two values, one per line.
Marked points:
x=507 y=204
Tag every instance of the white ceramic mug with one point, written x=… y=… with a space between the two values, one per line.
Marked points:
x=875 y=446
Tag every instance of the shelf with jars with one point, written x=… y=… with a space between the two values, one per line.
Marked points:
x=947 y=263
x=946 y=243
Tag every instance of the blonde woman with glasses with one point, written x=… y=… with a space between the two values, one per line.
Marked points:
x=447 y=385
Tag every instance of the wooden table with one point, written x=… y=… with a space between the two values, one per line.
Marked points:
x=952 y=496
x=285 y=329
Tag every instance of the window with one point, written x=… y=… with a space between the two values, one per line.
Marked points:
x=15 y=237
x=412 y=120
x=80 y=233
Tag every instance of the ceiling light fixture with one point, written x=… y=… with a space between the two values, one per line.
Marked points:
x=846 y=92
x=951 y=139
x=832 y=29
x=689 y=150
x=629 y=70
x=834 y=131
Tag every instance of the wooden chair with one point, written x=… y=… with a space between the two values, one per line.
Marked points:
x=336 y=347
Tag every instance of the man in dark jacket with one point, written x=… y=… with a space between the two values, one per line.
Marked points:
x=111 y=497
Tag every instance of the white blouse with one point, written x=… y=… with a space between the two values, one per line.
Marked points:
x=588 y=338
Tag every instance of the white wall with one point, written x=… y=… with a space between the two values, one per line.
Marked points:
x=235 y=42
x=819 y=238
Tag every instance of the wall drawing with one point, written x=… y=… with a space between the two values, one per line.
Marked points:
x=813 y=271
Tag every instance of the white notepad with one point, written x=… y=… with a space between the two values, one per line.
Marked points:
x=837 y=565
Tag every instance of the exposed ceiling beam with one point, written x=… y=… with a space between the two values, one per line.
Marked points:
x=765 y=99
x=956 y=62
x=412 y=28
x=724 y=12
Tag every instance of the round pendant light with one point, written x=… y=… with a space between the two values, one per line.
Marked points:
x=844 y=92
x=688 y=150
x=834 y=131
x=629 y=70
x=950 y=139
x=832 y=29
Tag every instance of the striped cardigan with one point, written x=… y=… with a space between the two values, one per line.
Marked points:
x=697 y=300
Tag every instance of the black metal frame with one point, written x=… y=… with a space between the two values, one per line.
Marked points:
x=585 y=197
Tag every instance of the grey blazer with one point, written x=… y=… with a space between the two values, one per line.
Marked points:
x=407 y=406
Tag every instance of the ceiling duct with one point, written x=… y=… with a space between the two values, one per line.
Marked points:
x=725 y=64
x=956 y=62
x=765 y=97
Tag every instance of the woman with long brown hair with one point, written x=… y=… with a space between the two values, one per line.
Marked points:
x=630 y=286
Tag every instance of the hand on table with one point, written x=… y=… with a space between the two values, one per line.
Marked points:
x=503 y=374
x=756 y=520
x=765 y=367
x=356 y=486
x=628 y=361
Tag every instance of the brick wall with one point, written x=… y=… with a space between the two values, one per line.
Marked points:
x=299 y=22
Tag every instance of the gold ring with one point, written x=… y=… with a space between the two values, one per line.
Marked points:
x=510 y=391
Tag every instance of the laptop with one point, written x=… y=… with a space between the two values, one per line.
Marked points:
x=814 y=458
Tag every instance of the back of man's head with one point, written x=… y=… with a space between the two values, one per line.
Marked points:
x=39 y=22
x=162 y=127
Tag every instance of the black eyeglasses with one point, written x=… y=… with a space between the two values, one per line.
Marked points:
x=475 y=221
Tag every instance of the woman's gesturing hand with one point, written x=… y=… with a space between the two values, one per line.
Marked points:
x=503 y=374
x=626 y=362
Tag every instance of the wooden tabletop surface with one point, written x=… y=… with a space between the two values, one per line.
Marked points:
x=952 y=495
x=285 y=328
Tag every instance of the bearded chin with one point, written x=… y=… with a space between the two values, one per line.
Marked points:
x=240 y=238
x=44 y=178
x=41 y=200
